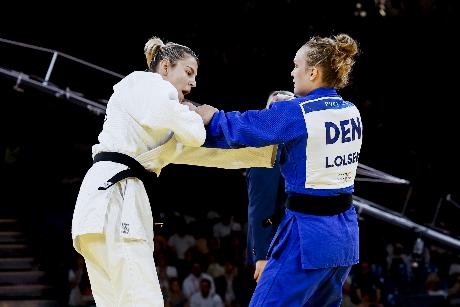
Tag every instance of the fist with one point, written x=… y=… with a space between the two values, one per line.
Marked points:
x=206 y=112
x=190 y=105
x=279 y=96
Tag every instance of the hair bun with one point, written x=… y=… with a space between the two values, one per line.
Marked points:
x=151 y=48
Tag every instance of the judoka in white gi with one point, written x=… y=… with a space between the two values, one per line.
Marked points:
x=112 y=228
x=146 y=128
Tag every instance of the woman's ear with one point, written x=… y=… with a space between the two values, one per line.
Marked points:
x=314 y=73
x=164 y=67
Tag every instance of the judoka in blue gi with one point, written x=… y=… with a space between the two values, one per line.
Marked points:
x=317 y=240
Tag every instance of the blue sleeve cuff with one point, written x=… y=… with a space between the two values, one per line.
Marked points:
x=213 y=128
x=214 y=134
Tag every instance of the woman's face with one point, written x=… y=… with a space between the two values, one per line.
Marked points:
x=301 y=74
x=182 y=75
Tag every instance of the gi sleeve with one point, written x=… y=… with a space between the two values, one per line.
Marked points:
x=156 y=106
x=281 y=123
x=187 y=125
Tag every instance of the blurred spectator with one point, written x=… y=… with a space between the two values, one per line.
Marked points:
x=175 y=297
x=181 y=241
x=212 y=215
x=367 y=284
x=164 y=268
x=165 y=272
x=400 y=269
x=224 y=283
x=189 y=219
x=225 y=226
x=215 y=269
x=201 y=241
x=191 y=284
x=204 y=297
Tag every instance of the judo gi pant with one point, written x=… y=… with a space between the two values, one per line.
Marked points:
x=121 y=271
x=285 y=283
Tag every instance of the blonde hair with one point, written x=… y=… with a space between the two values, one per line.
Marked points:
x=335 y=55
x=151 y=48
x=155 y=51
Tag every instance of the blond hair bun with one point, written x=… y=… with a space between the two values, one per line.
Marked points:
x=151 y=48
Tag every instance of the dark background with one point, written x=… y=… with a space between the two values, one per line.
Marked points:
x=404 y=84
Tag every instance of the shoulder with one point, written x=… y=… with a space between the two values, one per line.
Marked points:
x=148 y=82
x=288 y=107
x=156 y=80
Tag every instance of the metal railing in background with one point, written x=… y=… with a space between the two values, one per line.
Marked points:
x=55 y=54
x=372 y=209
x=75 y=97
x=44 y=84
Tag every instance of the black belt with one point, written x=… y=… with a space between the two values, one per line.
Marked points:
x=319 y=205
x=135 y=169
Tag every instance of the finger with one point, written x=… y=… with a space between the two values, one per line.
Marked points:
x=258 y=276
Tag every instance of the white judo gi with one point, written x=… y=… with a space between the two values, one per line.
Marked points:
x=113 y=228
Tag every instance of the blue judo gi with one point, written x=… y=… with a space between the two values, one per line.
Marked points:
x=310 y=255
